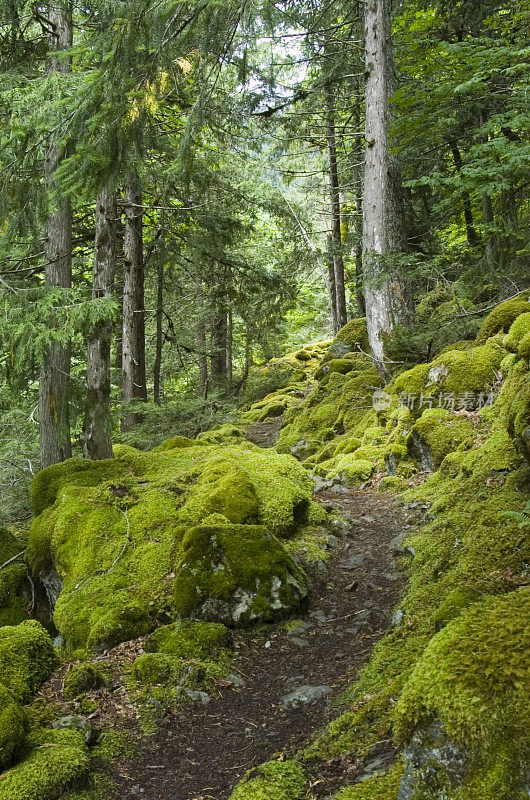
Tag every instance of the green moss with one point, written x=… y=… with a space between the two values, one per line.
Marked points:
x=12 y=727
x=58 y=762
x=383 y=786
x=350 y=338
x=83 y=678
x=274 y=780
x=27 y=658
x=437 y=433
x=454 y=603
x=352 y=468
x=112 y=542
x=176 y=441
x=472 y=371
x=518 y=338
x=502 y=316
x=159 y=669
x=223 y=434
x=115 y=746
x=189 y=639
x=48 y=482
x=235 y=574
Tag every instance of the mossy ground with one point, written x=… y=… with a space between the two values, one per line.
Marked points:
x=120 y=543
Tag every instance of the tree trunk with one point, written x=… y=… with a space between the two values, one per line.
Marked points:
x=472 y=236
x=334 y=196
x=357 y=169
x=201 y=340
x=218 y=347
x=330 y=281
x=382 y=230
x=54 y=416
x=159 y=332
x=97 y=440
x=229 y=352
x=492 y=244
x=133 y=343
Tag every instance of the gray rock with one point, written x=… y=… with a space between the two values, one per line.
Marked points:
x=398 y=617
x=58 y=641
x=304 y=695
x=78 y=723
x=395 y=545
x=236 y=679
x=432 y=762
x=196 y=696
x=299 y=642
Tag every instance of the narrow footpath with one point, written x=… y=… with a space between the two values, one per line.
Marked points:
x=200 y=753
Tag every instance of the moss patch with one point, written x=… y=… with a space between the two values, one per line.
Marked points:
x=58 y=761
x=189 y=639
x=502 y=316
x=274 y=780
x=235 y=574
x=27 y=658
x=114 y=535
x=383 y=786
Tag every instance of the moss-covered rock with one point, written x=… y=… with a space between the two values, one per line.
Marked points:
x=502 y=316
x=57 y=762
x=189 y=639
x=383 y=786
x=83 y=678
x=235 y=574
x=353 y=337
x=113 y=542
x=274 y=780
x=438 y=432
x=518 y=337
x=12 y=727
x=27 y=658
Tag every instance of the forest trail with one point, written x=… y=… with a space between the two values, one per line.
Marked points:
x=202 y=752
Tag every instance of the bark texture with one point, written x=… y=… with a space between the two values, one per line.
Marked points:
x=97 y=439
x=334 y=197
x=385 y=296
x=133 y=339
x=54 y=385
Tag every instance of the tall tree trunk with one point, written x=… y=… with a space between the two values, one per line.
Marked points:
x=492 y=245
x=229 y=351
x=334 y=196
x=473 y=239
x=330 y=281
x=54 y=416
x=357 y=169
x=97 y=441
x=133 y=346
x=201 y=340
x=159 y=332
x=218 y=346
x=382 y=228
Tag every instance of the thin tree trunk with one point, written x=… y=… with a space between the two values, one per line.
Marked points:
x=334 y=196
x=330 y=280
x=54 y=386
x=473 y=239
x=229 y=351
x=492 y=244
x=358 y=152
x=384 y=293
x=97 y=441
x=218 y=346
x=201 y=341
x=133 y=346
x=159 y=333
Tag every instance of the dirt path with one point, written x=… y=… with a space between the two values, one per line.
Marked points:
x=202 y=752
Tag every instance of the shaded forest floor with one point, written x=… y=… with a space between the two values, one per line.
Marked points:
x=201 y=751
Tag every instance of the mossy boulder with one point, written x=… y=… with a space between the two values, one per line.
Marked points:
x=381 y=786
x=353 y=337
x=475 y=678
x=436 y=433
x=113 y=542
x=517 y=339
x=501 y=317
x=57 y=761
x=189 y=639
x=352 y=469
x=12 y=726
x=274 y=780
x=455 y=373
x=83 y=678
x=235 y=574
x=27 y=658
